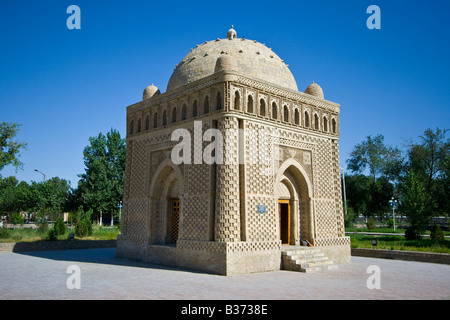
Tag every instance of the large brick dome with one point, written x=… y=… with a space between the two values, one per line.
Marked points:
x=253 y=59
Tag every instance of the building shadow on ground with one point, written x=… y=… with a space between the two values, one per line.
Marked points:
x=100 y=256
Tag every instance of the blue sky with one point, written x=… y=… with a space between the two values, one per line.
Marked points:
x=65 y=86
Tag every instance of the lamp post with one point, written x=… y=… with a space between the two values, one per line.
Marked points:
x=345 y=195
x=393 y=203
x=40 y=173
x=120 y=211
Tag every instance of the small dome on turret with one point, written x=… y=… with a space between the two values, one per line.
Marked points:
x=150 y=91
x=315 y=90
x=225 y=62
x=231 y=34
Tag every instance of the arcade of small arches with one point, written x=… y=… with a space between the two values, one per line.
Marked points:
x=304 y=116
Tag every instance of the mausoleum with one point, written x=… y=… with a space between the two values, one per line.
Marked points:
x=232 y=169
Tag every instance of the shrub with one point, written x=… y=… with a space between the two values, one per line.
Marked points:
x=16 y=218
x=436 y=233
x=371 y=223
x=390 y=223
x=52 y=234
x=43 y=227
x=5 y=233
x=411 y=234
x=83 y=228
x=348 y=218
x=60 y=227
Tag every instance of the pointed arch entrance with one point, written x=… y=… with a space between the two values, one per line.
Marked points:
x=165 y=205
x=294 y=194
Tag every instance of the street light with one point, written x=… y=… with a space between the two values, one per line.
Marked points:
x=345 y=195
x=40 y=173
x=393 y=203
x=120 y=211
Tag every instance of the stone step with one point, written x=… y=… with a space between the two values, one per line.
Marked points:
x=312 y=267
x=312 y=259
x=309 y=262
x=321 y=268
x=306 y=255
x=305 y=259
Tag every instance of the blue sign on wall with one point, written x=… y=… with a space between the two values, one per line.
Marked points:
x=261 y=208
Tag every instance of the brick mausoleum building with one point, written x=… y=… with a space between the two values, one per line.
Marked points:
x=273 y=201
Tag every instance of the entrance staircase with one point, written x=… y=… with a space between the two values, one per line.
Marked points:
x=305 y=259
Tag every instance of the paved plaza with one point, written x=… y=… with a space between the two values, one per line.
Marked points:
x=43 y=275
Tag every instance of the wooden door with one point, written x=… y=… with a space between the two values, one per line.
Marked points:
x=284 y=213
x=175 y=205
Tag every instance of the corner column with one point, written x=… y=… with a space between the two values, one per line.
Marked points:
x=227 y=215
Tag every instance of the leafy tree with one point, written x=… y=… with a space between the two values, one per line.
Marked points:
x=15 y=197
x=50 y=196
x=443 y=189
x=381 y=192
x=374 y=155
x=101 y=185
x=358 y=195
x=8 y=195
x=24 y=197
x=416 y=203
x=427 y=159
x=9 y=149
x=368 y=197
x=430 y=161
x=83 y=225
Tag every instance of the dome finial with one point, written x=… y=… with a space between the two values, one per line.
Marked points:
x=231 y=34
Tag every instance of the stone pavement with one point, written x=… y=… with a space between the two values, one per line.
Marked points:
x=43 y=275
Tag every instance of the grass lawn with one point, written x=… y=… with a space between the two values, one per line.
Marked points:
x=400 y=243
x=394 y=242
x=377 y=230
x=30 y=235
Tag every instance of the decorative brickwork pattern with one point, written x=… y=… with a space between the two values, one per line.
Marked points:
x=196 y=224
x=227 y=221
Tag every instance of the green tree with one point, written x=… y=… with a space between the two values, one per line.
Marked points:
x=368 y=197
x=427 y=157
x=60 y=227
x=8 y=195
x=83 y=225
x=374 y=155
x=15 y=196
x=24 y=197
x=51 y=196
x=416 y=203
x=10 y=150
x=358 y=195
x=102 y=183
x=443 y=189
x=429 y=160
